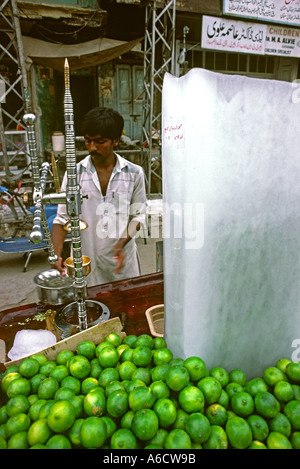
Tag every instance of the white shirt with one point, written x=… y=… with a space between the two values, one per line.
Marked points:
x=108 y=217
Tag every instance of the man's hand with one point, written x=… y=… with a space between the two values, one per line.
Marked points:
x=118 y=253
x=60 y=266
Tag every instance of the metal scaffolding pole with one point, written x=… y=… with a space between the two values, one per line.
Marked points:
x=13 y=81
x=159 y=58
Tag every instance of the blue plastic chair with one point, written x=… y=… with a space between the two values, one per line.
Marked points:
x=23 y=245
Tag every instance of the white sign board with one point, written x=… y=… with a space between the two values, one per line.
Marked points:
x=279 y=11
x=252 y=38
x=283 y=41
x=233 y=36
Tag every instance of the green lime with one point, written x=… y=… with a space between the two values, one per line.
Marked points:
x=47 y=388
x=88 y=384
x=237 y=376
x=34 y=409
x=217 y=438
x=181 y=419
x=257 y=445
x=283 y=363
x=114 y=339
x=63 y=394
x=259 y=427
x=256 y=385
x=93 y=432
x=162 y=355
x=142 y=356
x=266 y=404
x=144 y=340
x=177 y=377
x=159 y=342
x=277 y=440
x=239 y=432
x=211 y=389
x=242 y=404
x=160 y=389
x=17 y=404
x=178 y=439
x=198 y=427
x=61 y=416
x=166 y=412
x=17 y=423
x=196 y=367
x=72 y=383
x=293 y=371
x=216 y=414
x=158 y=372
x=283 y=391
x=295 y=440
x=145 y=424
x=35 y=382
x=94 y=403
x=220 y=374
x=272 y=375
x=117 y=403
x=126 y=419
x=64 y=356
x=18 y=441
x=292 y=411
x=280 y=423
x=74 y=432
x=18 y=386
x=130 y=340
x=191 y=399
x=140 y=398
x=59 y=373
x=111 y=425
x=123 y=438
x=87 y=348
x=29 y=367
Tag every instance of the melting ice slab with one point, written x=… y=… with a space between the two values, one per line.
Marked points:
x=28 y=342
x=231 y=173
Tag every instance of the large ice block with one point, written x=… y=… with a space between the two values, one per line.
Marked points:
x=231 y=200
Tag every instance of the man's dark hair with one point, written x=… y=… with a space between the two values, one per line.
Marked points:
x=103 y=121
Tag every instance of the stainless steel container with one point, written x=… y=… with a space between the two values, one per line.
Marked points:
x=54 y=288
x=66 y=318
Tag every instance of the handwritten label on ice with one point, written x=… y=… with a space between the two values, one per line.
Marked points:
x=174 y=133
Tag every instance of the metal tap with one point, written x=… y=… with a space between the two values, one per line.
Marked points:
x=39 y=217
x=72 y=198
x=73 y=201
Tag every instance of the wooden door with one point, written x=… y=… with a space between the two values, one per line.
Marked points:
x=129 y=81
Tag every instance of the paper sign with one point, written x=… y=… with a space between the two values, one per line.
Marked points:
x=279 y=11
x=233 y=36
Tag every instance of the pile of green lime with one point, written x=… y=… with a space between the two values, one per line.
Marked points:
x=131 y=393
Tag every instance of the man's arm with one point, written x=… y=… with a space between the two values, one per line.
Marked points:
x=136 y=217
x=58 y=236
x=118 y=249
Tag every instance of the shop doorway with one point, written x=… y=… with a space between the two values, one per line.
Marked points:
x=129 y=102
x=84 y=96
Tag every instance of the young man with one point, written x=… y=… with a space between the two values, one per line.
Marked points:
x=115 y=206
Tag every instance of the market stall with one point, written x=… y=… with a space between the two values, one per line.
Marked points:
x=127 y=299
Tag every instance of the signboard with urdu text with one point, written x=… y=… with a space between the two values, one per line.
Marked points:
x=278 y=11
x=251 y=38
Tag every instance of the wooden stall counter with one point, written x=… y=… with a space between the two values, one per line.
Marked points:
x=127 y=299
